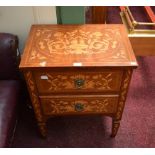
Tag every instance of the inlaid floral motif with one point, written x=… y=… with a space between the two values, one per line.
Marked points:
x=49 y=43
x=77 y=42
x=59 y=106
x=98 y=81
x=123 y=94
x=35 y=102
x=34 y=97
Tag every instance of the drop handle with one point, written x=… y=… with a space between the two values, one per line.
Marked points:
x=79 y=83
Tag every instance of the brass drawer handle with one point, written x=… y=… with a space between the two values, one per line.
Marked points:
x=79 y=107
x=79 y=83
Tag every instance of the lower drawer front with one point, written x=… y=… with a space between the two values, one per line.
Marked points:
x=73 y=105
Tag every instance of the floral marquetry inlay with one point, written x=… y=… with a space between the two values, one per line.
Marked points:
x=33 y=94
x=77 y=42
x=98 y=81
x=54 y=45
x=88 y=81
x=68 y=105
x=78 y=69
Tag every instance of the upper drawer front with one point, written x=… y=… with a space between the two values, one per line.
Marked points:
x=79 y=104
x=53 y=82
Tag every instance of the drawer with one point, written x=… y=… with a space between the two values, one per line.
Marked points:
x=79 y=104
x=53 y=82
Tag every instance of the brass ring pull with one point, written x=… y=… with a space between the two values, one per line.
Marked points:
x=79 y=83
x=79 y=107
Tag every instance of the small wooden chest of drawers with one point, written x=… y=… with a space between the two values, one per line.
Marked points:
x=78 y=69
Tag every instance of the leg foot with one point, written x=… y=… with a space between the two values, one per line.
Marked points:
x=115 y=126
x=42 y=128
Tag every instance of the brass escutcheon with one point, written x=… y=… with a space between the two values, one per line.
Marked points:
x=79 y=107
x=79 y=83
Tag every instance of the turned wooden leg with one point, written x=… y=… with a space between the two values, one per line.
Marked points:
x=43 y=129
x=115 y=126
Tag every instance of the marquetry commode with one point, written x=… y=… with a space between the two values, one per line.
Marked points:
x=78 y=69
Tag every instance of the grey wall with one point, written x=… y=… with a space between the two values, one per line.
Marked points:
x=18 y=20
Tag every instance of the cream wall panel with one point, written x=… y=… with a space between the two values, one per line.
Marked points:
x=18 y=20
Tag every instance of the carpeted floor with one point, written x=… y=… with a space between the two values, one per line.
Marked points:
x=137 y=126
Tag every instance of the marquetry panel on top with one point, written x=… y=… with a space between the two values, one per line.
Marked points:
x=91 y=45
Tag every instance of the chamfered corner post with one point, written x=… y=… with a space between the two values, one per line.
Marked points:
x=36 y=103
x=121 y=102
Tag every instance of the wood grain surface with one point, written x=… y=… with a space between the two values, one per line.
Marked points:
x=78 y=69
x=78 y=45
